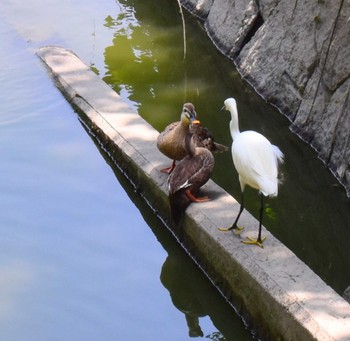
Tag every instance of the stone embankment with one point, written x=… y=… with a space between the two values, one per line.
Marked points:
x=284 y=299
x=296 y=54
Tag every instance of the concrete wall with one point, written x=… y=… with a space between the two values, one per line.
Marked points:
x=296 y=54
x=283 y=298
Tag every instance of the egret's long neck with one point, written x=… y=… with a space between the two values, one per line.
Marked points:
x=234 y=128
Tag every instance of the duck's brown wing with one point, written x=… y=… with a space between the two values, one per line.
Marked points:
x=170 y=144
x=192 y=172
x=166 y=133
x=205 y=164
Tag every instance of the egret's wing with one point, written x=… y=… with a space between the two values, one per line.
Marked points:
x=278 y=153
x=256 y=162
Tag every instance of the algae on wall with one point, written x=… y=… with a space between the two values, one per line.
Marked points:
x=296 y=54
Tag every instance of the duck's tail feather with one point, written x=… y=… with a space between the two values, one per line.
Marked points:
x=219 y=148
x=178 y=204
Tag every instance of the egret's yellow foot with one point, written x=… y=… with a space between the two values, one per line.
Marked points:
x=252 y=241
x=237 y=229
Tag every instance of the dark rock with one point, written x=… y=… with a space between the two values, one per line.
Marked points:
x=200 y=8
x=346 y=294
x=230 y=28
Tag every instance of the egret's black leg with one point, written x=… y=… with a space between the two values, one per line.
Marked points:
x=260 y=240
x=234 y=225
x=261 y=213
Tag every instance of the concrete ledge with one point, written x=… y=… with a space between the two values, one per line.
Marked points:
x=283 y=298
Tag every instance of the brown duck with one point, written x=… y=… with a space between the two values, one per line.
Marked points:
x=191 y=173
x=171 y=141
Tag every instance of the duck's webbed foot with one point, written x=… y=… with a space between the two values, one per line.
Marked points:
x=196 y=199
x=168 y=170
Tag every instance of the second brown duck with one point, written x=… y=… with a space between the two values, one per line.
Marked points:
x=192 y=172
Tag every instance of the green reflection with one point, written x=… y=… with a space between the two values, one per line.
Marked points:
x=144 y=63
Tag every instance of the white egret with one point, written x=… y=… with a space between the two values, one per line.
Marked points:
x=256 y=161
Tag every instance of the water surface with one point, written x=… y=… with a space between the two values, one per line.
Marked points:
x=82 y=256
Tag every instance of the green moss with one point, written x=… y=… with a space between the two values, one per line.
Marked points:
x=317 y=19
x=301 y=89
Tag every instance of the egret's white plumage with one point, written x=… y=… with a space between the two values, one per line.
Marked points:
x=255 y=159
x=256 y=162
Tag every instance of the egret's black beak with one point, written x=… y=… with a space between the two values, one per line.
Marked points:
x=223 y=108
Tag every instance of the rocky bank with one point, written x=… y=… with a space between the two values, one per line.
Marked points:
x=296 y=54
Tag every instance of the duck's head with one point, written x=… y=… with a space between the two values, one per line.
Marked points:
x=189 y=115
